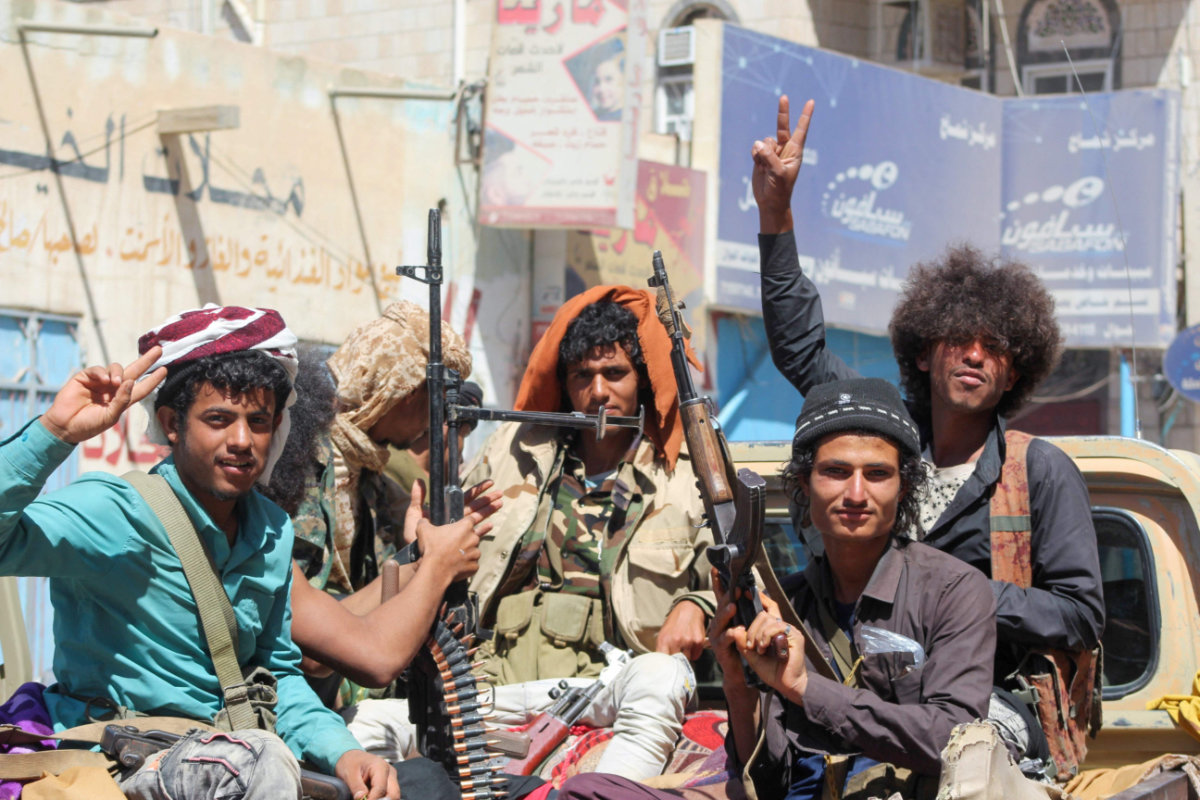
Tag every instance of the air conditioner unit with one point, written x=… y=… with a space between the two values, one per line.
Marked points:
x=677 y=47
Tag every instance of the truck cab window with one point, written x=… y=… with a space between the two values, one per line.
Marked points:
x=1131 y=628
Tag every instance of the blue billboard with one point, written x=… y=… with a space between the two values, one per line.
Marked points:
x=1181 y=363
x=892 y=167
x=897 y=167
x=1090 y=190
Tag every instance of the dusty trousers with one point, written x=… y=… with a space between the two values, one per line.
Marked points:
x=242 y=765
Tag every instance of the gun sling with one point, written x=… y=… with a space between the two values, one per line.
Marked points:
x=216 y=613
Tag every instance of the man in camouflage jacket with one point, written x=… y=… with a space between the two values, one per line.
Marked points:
x=597 y=540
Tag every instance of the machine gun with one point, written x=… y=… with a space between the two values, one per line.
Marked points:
x=445 y=729
x=733 y=502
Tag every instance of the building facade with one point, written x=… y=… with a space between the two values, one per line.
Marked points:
x=1005 y=48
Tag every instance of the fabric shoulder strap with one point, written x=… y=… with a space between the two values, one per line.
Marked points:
x=216 y=614
x=844 y=652
x=1011 y=524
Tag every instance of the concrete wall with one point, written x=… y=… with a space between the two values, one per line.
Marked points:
x=306 y=206
x=423 y=42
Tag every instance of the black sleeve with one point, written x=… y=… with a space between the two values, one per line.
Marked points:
x=1065 y=607
x=793 y=317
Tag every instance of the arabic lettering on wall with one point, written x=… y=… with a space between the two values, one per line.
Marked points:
x=257 y=196
x=266 y=258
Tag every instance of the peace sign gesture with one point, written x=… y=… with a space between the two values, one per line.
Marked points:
x=93 y=399
x=776 y=164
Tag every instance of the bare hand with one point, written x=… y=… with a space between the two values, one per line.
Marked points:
x=477 y=491
x=758 y=646
x=777 y=162
x=368 y=777
x=416 y=511
x=683 y=631
x=453 y=550
x=720 y=635
x=478 y=500
x=93 y=399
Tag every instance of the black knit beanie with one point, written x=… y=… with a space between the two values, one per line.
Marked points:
x=856 y=404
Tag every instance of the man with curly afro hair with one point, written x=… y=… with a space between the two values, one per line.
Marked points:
x=973 y=336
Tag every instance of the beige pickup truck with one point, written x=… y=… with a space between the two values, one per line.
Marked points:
x=1146 y=507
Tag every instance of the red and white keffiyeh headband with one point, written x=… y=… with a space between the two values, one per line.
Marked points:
x=215 y=330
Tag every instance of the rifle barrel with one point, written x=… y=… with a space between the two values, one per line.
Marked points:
x=561 y=419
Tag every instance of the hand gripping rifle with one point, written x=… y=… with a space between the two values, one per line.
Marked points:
x=733 y=502
x=442 y=699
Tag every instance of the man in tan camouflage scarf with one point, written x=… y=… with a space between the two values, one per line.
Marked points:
x=370 y=394
x=382 y=400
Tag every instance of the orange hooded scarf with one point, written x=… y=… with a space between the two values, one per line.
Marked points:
x=541 y=391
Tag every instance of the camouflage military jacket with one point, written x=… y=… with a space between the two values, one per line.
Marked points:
x=346 y=566
x=661 y=557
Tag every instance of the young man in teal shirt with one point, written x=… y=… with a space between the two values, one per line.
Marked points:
x=127 y=626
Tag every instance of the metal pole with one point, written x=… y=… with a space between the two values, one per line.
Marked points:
x=393 y=94
x=1008 y=51
x=89 y=297
x=985 y=48
x=38 y=26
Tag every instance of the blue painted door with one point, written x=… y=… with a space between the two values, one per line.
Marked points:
x=38 y=352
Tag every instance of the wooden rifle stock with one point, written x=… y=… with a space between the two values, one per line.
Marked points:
x=546 y=733
x=733 y=504
x=705 y=449
x=550 y=728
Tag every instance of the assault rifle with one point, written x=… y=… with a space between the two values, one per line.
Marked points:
x=445 y=490
x=733 y=502
x=131 y=747
x=550 y=728
x=442 y=733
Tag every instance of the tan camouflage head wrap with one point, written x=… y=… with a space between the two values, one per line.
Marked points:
x=378 y=365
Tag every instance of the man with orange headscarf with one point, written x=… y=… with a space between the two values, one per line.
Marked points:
x=598 y=539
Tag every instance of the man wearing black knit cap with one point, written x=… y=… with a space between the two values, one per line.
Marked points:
x=908 y=629
x=973 y=337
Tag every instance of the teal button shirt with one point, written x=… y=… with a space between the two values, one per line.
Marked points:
x=126 y=626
